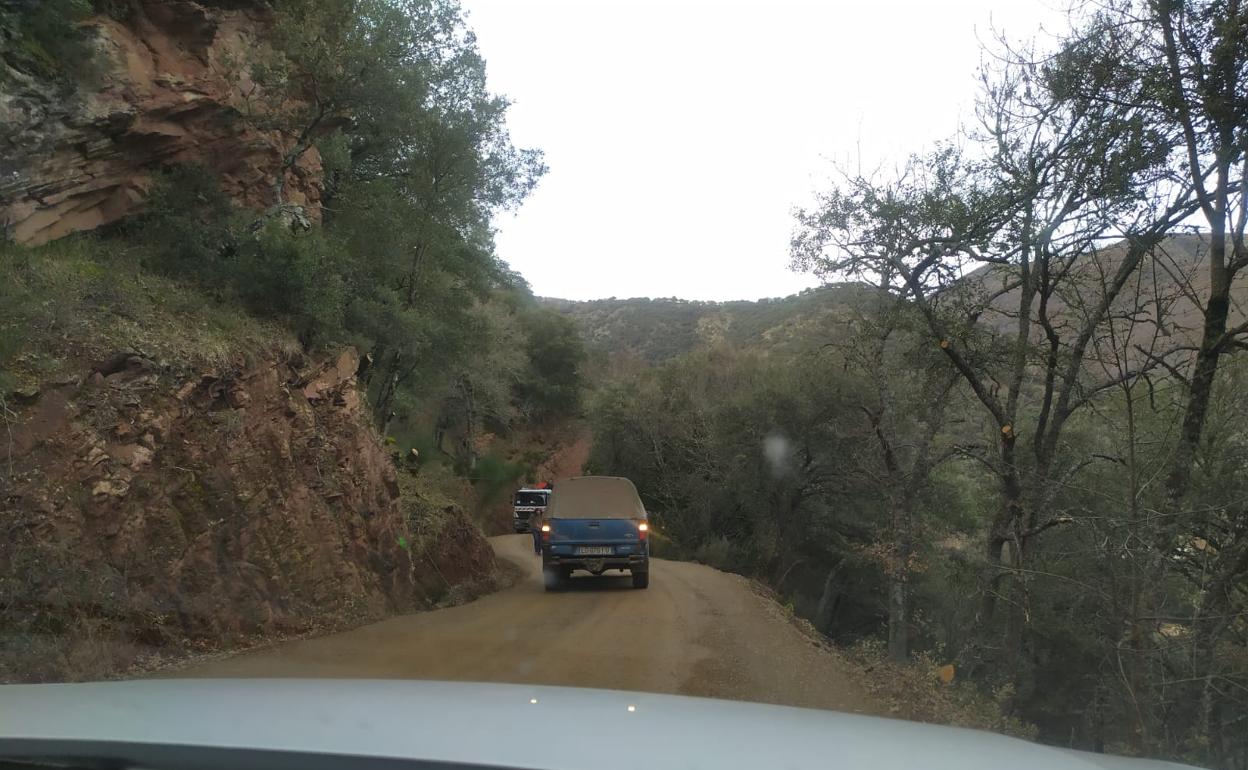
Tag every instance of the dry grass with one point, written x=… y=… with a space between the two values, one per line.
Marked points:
x=427 y=499
x=85 y=299
x=912 y=690
x=915 y=691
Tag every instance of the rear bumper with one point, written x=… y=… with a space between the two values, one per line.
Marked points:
x=631 y=562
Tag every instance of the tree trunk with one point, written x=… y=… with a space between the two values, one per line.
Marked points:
x=469 y=443
x=898 y=588
x=898 y=631
x=1017 y=547
x=1136 y=586
x=827 y=605
x=385 y=395
x=1003 y=539
x=1204 y=372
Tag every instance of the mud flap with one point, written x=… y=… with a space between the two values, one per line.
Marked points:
x=555 y=578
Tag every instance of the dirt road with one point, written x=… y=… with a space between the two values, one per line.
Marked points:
x=695 y=631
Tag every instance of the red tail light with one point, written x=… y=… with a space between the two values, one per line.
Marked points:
x=545 y=533
x=643 y=530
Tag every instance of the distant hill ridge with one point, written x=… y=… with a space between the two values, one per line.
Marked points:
x=656 y=330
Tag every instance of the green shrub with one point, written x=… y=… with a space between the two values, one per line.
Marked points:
x=663 y=547
x=45 y=38
x=494 y=478
x=292 y=276
x=192 y=230
x=718 y=552
x=188 y=227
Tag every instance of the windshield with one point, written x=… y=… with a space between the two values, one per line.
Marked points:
x=531 y=499
x=883 y=358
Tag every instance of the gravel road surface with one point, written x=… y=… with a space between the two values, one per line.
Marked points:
x=695 y=631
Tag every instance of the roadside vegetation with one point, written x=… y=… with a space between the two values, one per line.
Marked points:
x=1020 y=449
x=390 y=101
x=42 y=38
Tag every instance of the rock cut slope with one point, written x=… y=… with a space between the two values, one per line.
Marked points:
x=167 y=94
x=153 y=509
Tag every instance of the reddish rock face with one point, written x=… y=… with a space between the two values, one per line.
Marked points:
x=188 y=509
x=167 y=94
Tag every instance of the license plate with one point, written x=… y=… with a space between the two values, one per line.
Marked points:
x=594 y=550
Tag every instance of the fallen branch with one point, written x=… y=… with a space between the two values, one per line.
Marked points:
x=5 y=412
x=1042 y=527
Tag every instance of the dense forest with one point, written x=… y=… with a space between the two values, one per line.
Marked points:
x=1019 y=445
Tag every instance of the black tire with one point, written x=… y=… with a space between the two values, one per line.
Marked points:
x=641 y=579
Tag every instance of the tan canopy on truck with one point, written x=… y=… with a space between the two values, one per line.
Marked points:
x=595 y=497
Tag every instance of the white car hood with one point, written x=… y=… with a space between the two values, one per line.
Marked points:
x=499 y=725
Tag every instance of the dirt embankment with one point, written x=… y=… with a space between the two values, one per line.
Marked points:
x=150 y=511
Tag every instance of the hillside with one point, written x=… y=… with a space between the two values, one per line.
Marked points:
x=181 y=477
x=1160 y=298
x=653 y=331
x=657 y=330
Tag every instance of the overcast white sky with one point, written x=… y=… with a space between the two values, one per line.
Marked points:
x=680 y=134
